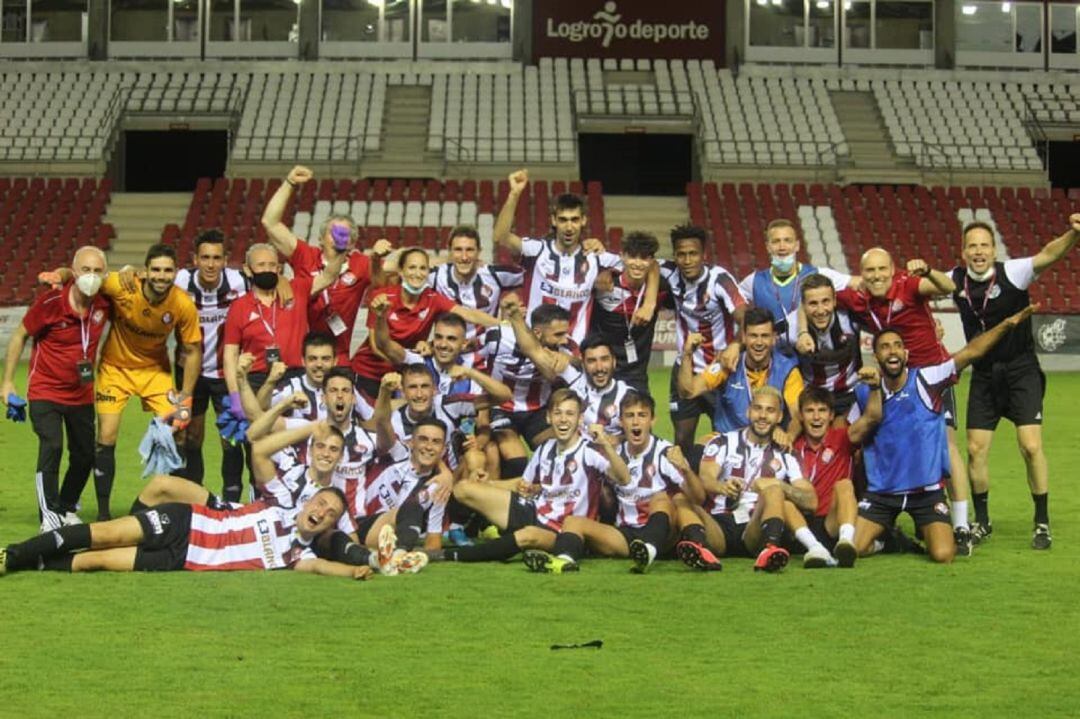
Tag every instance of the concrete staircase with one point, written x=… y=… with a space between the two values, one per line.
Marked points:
x=872 y=159
x=656 y=215
x=139 y=218
x=404 y=139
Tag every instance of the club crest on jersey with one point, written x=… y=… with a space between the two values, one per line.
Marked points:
x=571 y=466
x=348 y=279
x=896 y=306
x=610 y=411
x=711 y=450
x=994 y=291
x=423 y=313
x=827 y=455
x=485 y=292
x=775 y=464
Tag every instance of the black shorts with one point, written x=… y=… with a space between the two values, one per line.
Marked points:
x=208 y=390
x=1013 y=390
x=364 y=525
x=165 y=538
x=948 y=406
x=924 y=507
x=521 y=513
x=528 y=425
x=637 y=377
x=688 y=408
x=733 y=535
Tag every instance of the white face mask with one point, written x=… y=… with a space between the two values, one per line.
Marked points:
x=410 y=289
x=89 y=284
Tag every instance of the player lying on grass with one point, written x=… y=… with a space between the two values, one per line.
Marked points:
x=906 y=457
x=748 y=477
x=562 y=479
x=192 y=537
x=643 y=527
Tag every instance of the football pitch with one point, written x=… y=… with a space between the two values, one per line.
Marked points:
x=994 y=634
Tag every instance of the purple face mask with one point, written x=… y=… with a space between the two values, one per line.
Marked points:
x=341 y=234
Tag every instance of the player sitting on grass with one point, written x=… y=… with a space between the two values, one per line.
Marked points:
x=825 y=455
x=192 y=537
x=562 y=479
x=748 y=477
x=643 y=527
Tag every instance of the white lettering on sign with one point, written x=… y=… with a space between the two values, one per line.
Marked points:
x=608 y=25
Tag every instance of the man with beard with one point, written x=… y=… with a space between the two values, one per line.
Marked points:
x=907 y=456
x=1008 y=382
x=748 y=477
x=760 y=364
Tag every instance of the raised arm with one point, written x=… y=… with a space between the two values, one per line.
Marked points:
x=328 y=274
x=645 y=313
x=280 y=236
x=385 y=437
x=1059 y=247
x=262 y=466
x=475 y=316
x=550 y=364
x=982 y=344
x=383 y=343
x=505 y=221
x=690 y=385
x=618 y=470
x=692 y=486
x=11 y=361
x=861 y=428
x=495 y=390
x=266 y=392
x=271 y=422
x=932 y=283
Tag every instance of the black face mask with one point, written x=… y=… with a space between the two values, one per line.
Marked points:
x=264 y=280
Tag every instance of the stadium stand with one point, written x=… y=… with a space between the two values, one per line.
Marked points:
x=42 y=222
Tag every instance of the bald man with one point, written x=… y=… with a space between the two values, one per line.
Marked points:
x=900 y=300
x=66 y=324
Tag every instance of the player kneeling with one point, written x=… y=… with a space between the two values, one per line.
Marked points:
x=748 y=477
x=192 y=537
x=643 y=527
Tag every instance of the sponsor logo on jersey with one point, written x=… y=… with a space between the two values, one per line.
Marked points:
x=827 y=455
x=266 y=542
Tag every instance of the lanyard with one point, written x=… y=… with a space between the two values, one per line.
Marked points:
x=817 y=457
x=84 y=333
x=271 y=327
x=873 y=315
x=980 y=314
x=794 y=292
x=637 y=306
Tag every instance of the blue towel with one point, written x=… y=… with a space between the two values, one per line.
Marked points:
x=158 y=449
x=232 y=428
x=16 y=410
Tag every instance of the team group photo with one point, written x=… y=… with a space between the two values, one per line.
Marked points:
x=602 y=358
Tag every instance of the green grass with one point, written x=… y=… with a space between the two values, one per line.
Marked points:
x=991 y=635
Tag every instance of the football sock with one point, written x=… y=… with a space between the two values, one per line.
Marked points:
x=232 y=471
x=408 y=527
x=193 y=464
x=346 y=551
x=28 y=554
x=694 y=533
x=569 y=546
x=960 y=513
x=511 y=468
x=58 y=564
x=656 y=529
x=137 y=506
x=773 y=530
x=806 y=538
x=981 y=500
x=847 y=533
x=1042 y=515
x=504 y=547
x=104 y=474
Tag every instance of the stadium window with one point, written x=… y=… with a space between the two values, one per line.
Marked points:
x=821 y=24
x=1064 y=21
x=185 y=20
x=471 y=21
x=903 y=25
x=434 y=21
x=222 y=20
x=14 y=15
x=351 y=20
x=1000 y=27
x=138 y=20
x=857 y=24
x=397 y=20
x=778 y=23
x=58 y=20
x=270 y=20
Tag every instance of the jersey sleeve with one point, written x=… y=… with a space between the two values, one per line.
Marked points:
x=305 y=258
x=508 y=277
x=793 y=387
x=597 y=462
x=301 y=287
x=1021 y=272
x=909 y=289
x=111 y=287
x=531 y=248
x=668 y=270
x=34 y=319
x=610 y=261
x=792 y=470
x=531 y=475
x=231 y=334
x=441 y=303
x=362 y=408
x=412 y=357
x=714 y=449
x=714 y=375
x=360 y=266
x=848 y=299
x=746 y=287
x=935 y=380
x=726 y=291
x=670 y=474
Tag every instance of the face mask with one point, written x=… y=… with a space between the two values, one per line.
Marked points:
x=341 y=235
x=410 y=289
x=265 y=280
x=88 y=284
x=783 y=264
